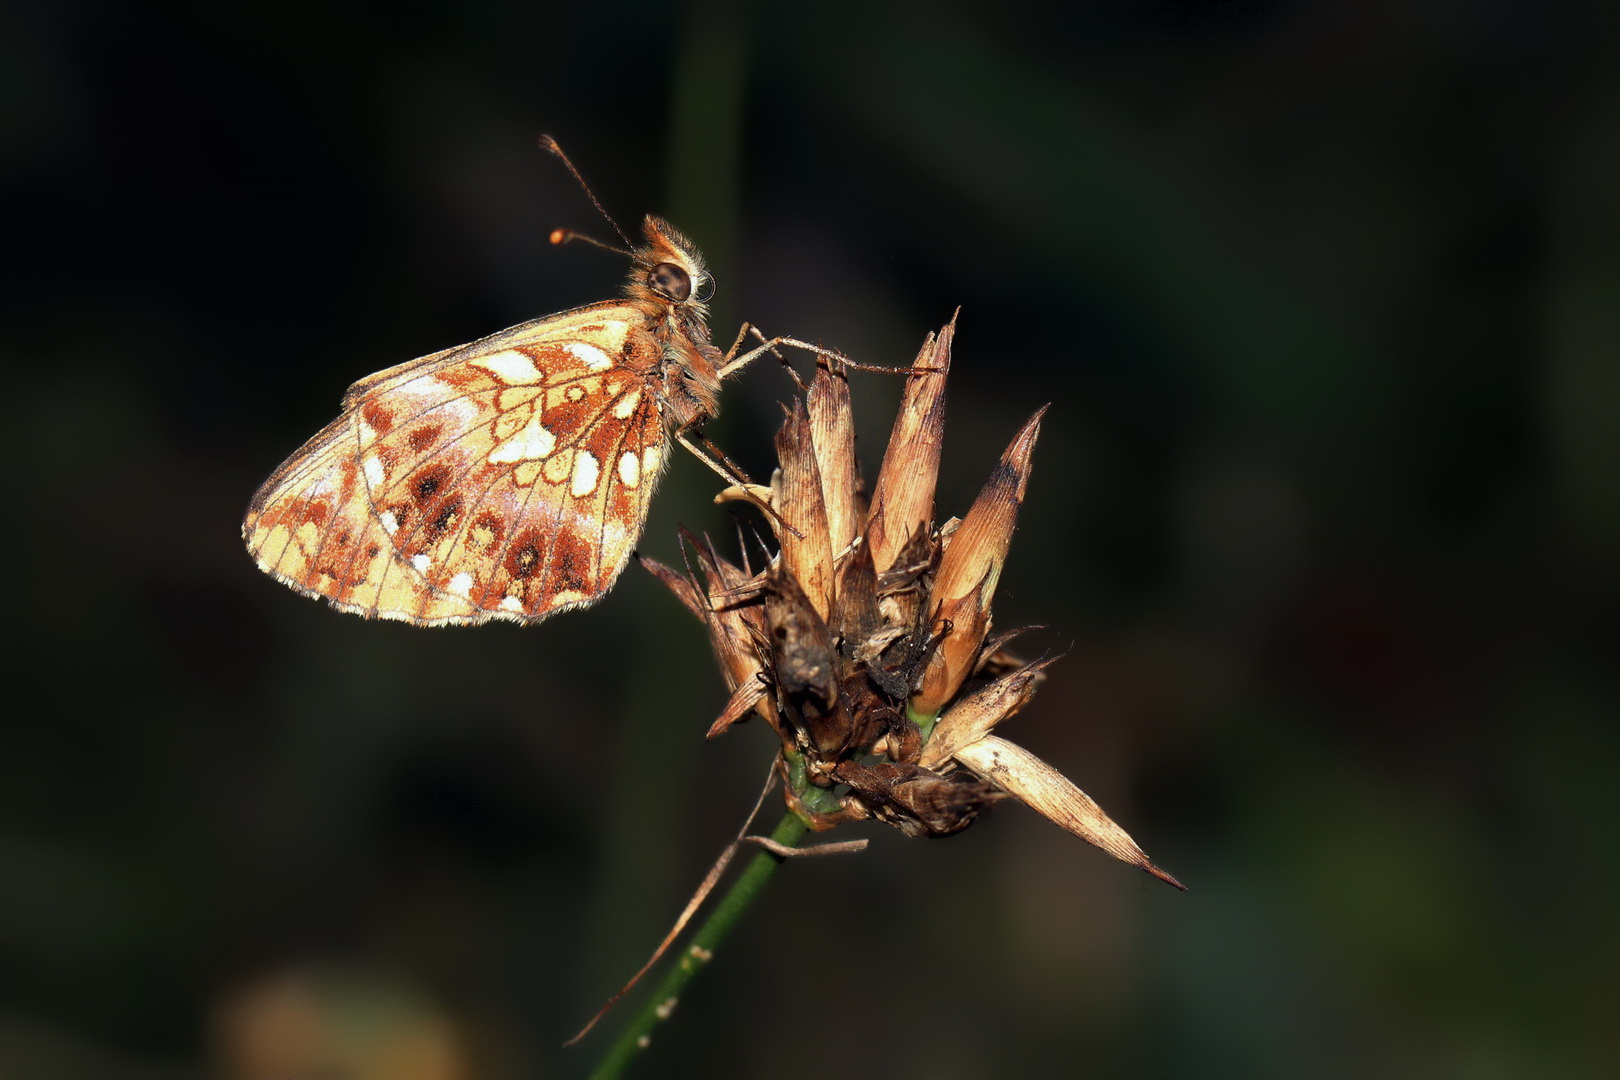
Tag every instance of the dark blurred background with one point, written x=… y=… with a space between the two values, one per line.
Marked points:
x=1326 y=515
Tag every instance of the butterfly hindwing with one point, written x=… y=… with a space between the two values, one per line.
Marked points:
x=507 y=479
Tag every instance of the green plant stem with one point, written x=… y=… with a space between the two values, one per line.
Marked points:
x=697 y=953
x=924 y=721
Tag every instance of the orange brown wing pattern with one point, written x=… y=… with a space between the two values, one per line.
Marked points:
x=506 y=479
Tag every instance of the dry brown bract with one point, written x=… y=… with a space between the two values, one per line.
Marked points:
x=865 y=641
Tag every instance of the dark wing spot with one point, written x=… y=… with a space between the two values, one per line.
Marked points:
x=440 y=523
x=572 y=561
x=378 y=417
x=603 y=443
x=523 y=561
x=423 y=437
x=346 y=477
x=429 y=482
x=459 y=377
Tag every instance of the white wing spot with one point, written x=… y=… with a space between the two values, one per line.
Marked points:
x=421 y=562
x=512 y=367
x=589 y=355
x=630 y=469
x=626 y=405
x=652 y=459
x=390 y=523
x=586 y=471
x=374 y=472
x=511 y=603
x=461 y=584
x=531 y=444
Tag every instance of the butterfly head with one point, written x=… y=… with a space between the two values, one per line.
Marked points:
x=669 y=269
x=669 y=283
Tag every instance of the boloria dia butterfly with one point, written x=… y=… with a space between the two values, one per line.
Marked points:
x=505 y=479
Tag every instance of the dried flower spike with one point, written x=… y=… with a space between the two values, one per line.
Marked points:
x=969 y=570
x=903 y=500
x=865 y=641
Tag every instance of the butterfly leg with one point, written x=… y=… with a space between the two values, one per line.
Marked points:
x=733 y=362
x=728 y=470
x=726 y=362
x=702 y=448
x=743 y=331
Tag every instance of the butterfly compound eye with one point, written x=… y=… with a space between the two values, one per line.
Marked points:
x=669 y=280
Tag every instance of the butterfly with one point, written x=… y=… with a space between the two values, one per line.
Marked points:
x=504 y=479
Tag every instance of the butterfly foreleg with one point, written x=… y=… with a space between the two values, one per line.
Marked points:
x=736 y=345
x=734 y=362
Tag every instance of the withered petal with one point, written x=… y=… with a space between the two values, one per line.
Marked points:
x=684 y=588
x=832 y=433
x=855 y=615
x=807 y=552
x=978 y=548
x=729 y=607
x=995 y=659
x=976 y=715
x=914 y=800
x=903 y=499
x=749 y=694
x=968 y=621
x=804 y=666
x=1022 y=774
x=757 y=494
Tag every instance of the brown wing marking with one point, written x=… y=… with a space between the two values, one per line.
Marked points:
x=523 y=538
x=407 y=506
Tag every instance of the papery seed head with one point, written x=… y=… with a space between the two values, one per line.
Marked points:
x=978 y=548
x=1022 y=774
x=832 y=434
x=903 y=499
x=962 y=623
x=807 y=552
x=976 y=715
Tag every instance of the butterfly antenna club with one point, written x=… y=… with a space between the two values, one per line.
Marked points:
x=563 y=236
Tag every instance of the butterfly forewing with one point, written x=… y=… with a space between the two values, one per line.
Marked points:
x=505 y=479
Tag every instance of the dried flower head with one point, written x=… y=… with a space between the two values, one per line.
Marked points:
x=865 y=640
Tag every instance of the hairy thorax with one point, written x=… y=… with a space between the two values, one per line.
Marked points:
x=690 y=375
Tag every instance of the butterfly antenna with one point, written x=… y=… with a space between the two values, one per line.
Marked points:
x=548 y=143
x=563 y=236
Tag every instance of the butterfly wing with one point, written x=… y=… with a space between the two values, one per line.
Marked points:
x=505 y=479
